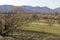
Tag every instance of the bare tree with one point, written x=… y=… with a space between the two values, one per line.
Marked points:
x=10 y=22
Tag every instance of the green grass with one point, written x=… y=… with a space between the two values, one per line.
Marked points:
x=42 y=27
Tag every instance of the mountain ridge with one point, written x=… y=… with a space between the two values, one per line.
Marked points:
x=31 y=8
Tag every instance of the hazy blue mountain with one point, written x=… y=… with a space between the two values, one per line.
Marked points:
x=5 y=7
x=57 y=9
x=37 y=9
x=29 y=9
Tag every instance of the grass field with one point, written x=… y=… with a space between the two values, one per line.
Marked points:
x=42 y=26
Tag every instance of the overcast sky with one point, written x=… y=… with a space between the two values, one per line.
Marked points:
x=41 y=3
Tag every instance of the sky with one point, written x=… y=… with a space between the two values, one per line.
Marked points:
x=42 y=3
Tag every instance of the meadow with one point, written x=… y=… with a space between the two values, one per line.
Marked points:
x=42 y=26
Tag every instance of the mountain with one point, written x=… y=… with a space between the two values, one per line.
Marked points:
x=5 y=8
x=57 y=9
x=37 y=9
